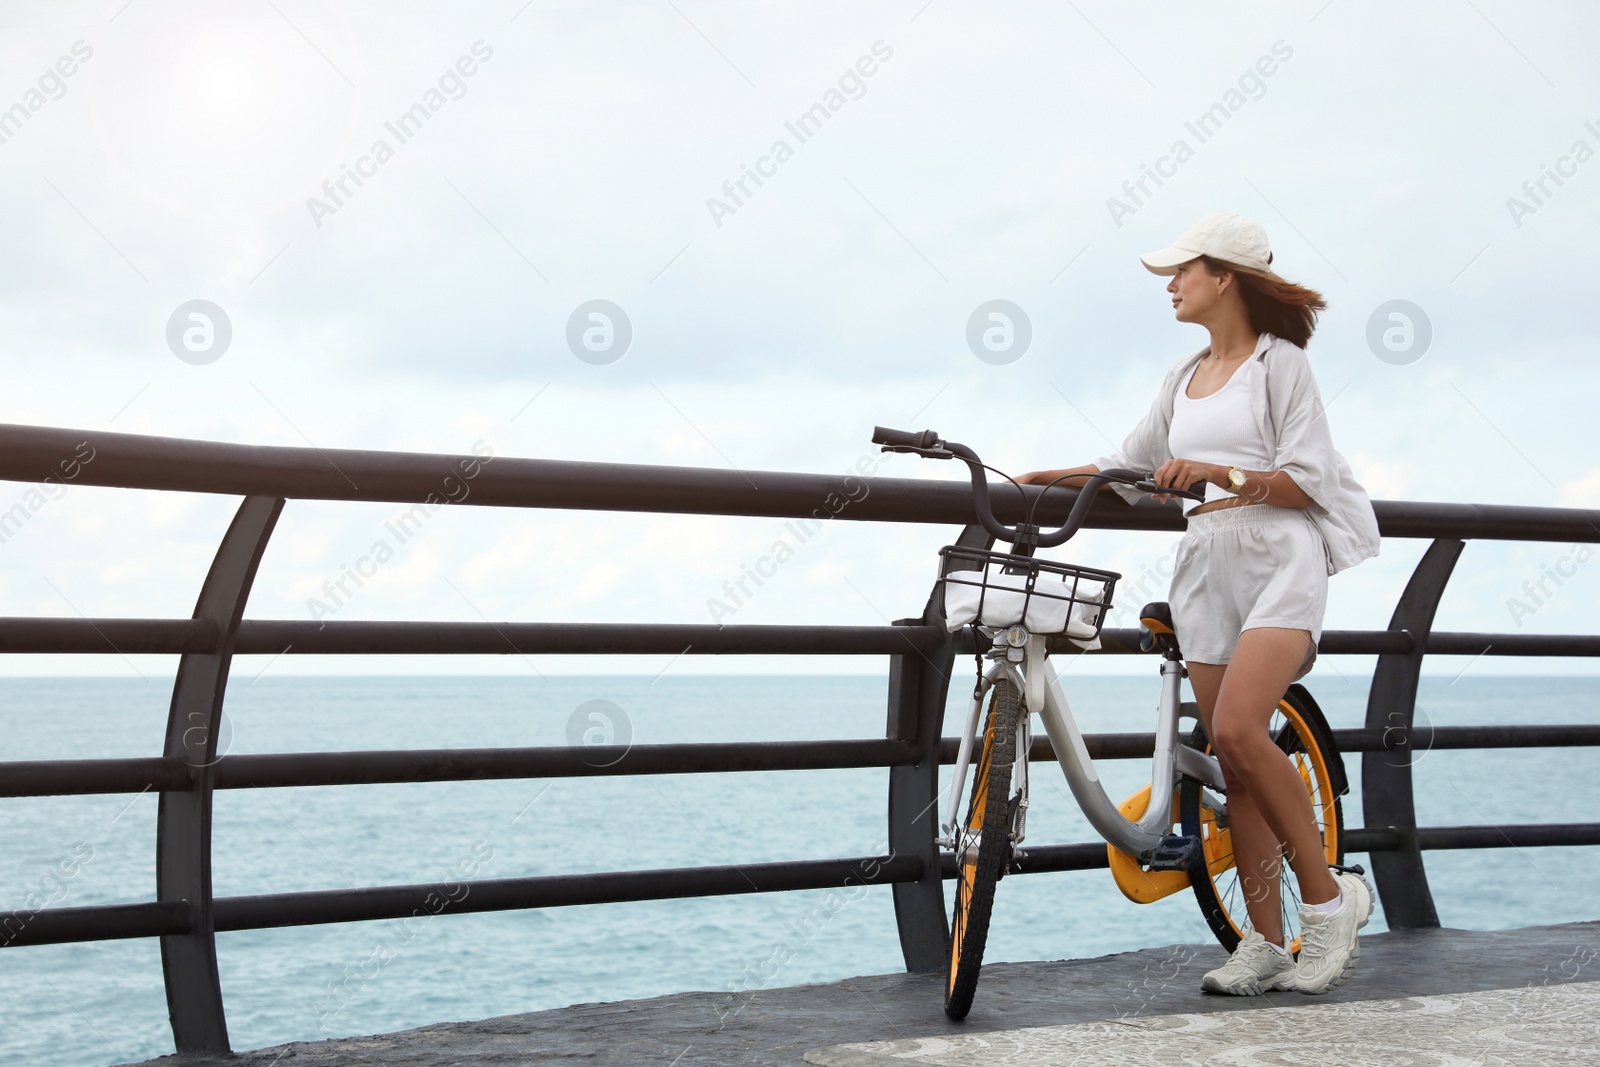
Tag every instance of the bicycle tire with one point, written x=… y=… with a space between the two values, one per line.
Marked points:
x=1301 y=731
x=989 y=817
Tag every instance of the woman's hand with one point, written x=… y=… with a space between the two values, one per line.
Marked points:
x=1182 y=473
x=1037 y=478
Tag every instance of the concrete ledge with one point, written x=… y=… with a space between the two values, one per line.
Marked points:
x=1151 y=991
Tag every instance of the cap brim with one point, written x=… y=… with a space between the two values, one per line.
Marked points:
x=1167 y=260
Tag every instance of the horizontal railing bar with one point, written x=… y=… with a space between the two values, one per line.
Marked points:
x=1374 y=839
x=32 y=778
x=104 y=922
x=300 y=637
x=99 y=922
x=1470 y=644
x=464 y=765
x=126 y=636
x=88 y=777
x=311 y=637
x=1089 y=855
x=1044 y=859
x=553 y=891
x=1424 y=738
x=1124 y=640
x=1041 y=859
x=1361 y=739
x=507 y=638
x=1526 y=835
x=35 y=778
x=1100 y=746
x=33 y=454
x=134 y=461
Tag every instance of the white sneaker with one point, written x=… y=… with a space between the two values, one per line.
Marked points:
x=1364 y=888
x=1329 y=947
x=1254 y=968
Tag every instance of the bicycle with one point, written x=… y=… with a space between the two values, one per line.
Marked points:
x=1015 y=601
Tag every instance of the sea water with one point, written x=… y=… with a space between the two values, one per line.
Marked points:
x=102 y=1003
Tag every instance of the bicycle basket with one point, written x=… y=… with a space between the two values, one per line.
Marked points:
x=999 y=589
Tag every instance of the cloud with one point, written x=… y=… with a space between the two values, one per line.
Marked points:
x=1382 y=479
x=431 y=309
x=1582 y=492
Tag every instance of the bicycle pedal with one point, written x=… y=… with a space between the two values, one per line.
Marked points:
x=1353 y=868
x=1176 y=852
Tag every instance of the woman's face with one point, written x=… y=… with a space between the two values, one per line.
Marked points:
x=1196 y=292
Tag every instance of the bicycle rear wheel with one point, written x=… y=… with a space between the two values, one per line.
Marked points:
x=1298 y=727
x=983 y=848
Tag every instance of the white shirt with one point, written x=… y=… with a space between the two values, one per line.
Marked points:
x=1217 y=428
x=1288 y=411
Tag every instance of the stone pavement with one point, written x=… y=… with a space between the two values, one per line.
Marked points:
x=1418 y=997
x=1536 y=1026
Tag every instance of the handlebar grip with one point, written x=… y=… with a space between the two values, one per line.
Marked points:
x=882 y=435
x=1146 y=484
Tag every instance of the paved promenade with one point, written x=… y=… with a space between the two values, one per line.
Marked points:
x=1449 y=998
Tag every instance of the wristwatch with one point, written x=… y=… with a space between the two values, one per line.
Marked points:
x=1235 y=479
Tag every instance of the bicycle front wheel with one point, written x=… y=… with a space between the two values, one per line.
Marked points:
x=983 y=847
x=1299 y=729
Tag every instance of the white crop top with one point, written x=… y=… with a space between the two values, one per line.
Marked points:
x=1220 y=428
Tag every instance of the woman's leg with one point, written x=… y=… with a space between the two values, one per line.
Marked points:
x=1264 y=661
x=1256 y=850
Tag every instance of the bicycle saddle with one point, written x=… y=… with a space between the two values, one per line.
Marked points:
x=1156 y=629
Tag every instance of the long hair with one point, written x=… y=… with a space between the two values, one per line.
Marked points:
x=1275 y=305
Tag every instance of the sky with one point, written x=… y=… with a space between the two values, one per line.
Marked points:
x=399 y=218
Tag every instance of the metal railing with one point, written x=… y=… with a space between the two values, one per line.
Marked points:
x=186 y=915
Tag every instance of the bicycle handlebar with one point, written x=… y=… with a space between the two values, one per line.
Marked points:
x=929 y=445
x=882 y=435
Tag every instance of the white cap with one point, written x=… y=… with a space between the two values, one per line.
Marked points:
x=1230 y=238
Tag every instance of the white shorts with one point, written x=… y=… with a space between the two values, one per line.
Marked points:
x=1247 y=566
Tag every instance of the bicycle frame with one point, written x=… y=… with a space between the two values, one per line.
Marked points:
x=1035 y=678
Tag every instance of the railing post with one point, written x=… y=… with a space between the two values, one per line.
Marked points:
x=183 y=825
x=918 y=687
x=1387 y=798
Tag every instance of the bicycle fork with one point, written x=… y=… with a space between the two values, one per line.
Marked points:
x=950 y=835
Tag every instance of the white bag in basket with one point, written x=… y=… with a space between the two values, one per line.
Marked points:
x=1002 y=602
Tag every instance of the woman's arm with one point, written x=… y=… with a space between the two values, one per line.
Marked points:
x=1073 y=476
x=1260 y=487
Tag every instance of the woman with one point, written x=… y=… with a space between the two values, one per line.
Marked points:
x=1282 y=512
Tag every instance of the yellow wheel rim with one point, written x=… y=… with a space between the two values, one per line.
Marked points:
x=969 y=871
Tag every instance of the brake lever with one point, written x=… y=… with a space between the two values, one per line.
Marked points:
x=925 y=453
x=1149 y=486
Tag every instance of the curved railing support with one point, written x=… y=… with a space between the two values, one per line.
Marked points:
x=918 y=686
x=183 y=826
x=1387 y=799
